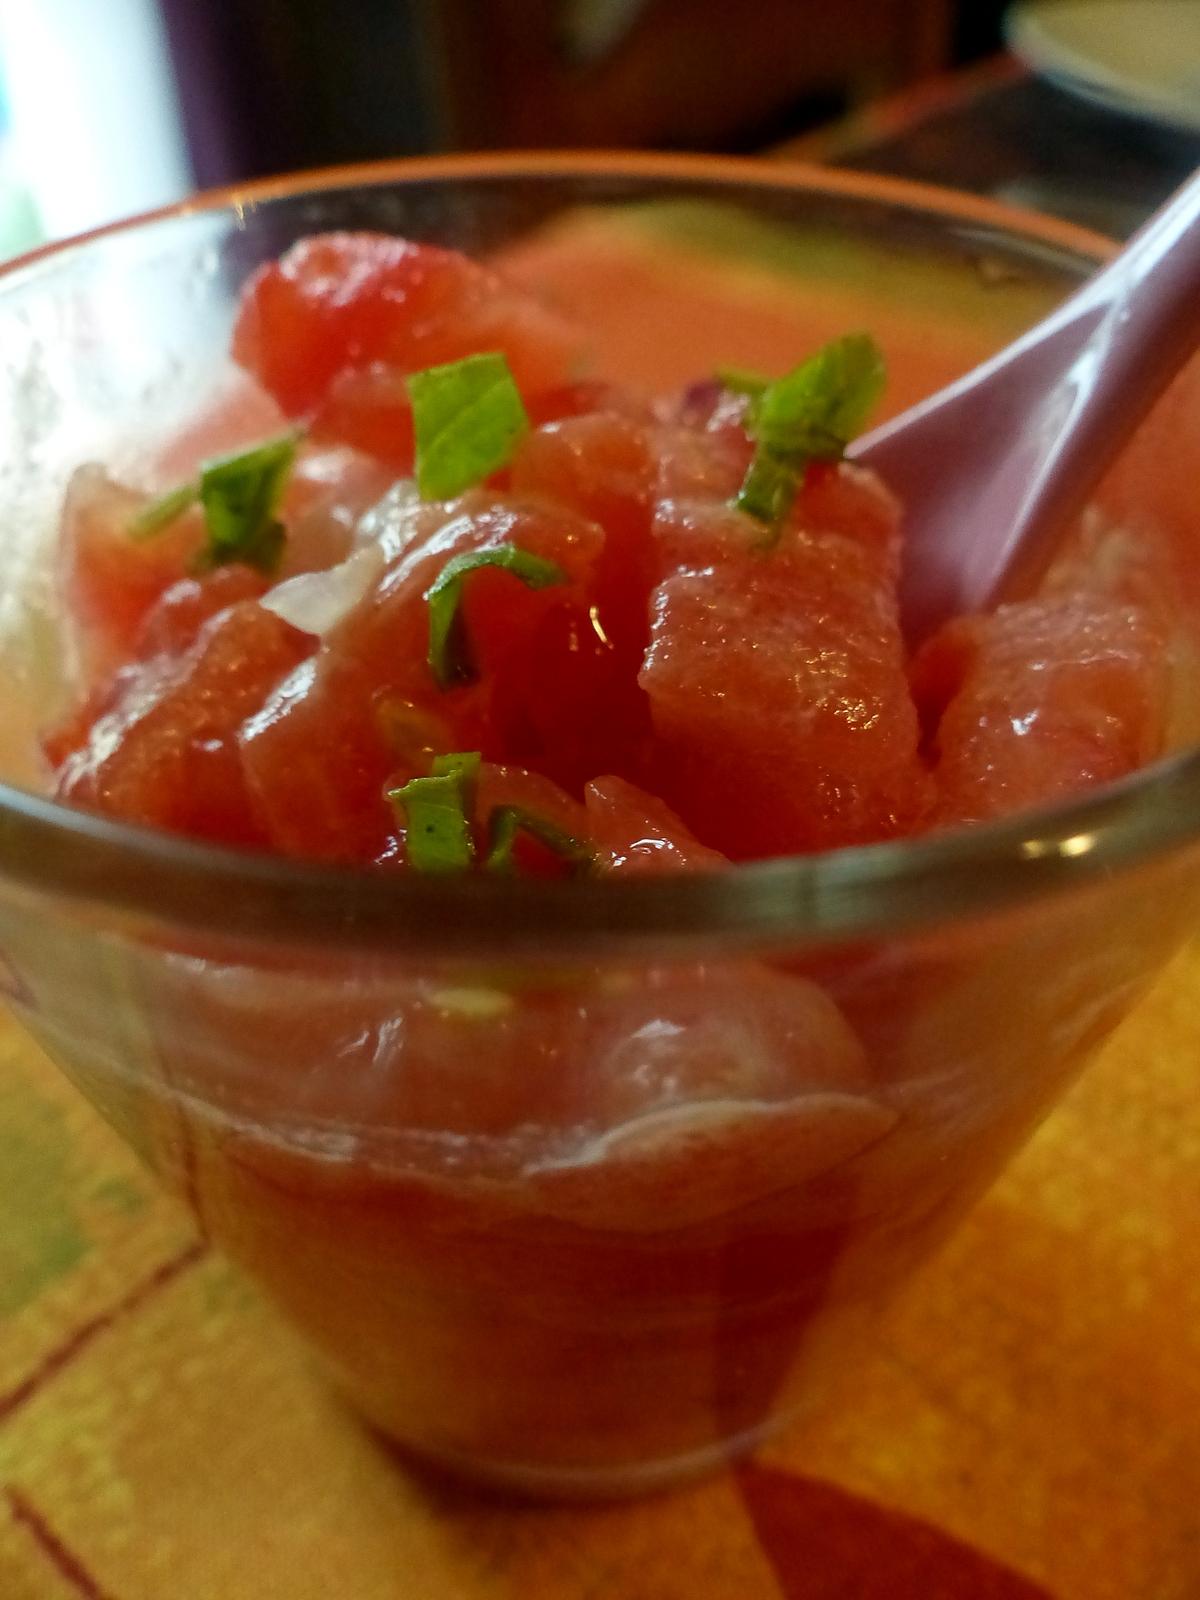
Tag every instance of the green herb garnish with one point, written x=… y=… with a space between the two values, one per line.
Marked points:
x=463 y=762
x=506 y=822
x=450 y=656
x=160 y=513
x=740 y=380
x=240 y=495
x=810 y=414
x=769 y=487
x=438 y=836
x=819 y=406
x=467 y=417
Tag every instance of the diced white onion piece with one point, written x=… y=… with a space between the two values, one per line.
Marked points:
x=393 y=522
x=315 y=602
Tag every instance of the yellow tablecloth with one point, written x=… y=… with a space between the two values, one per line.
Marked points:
x=1030 y=1427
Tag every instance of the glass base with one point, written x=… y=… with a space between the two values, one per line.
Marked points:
x=530 y=1481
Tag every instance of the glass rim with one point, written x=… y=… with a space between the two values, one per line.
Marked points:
x=856 y=893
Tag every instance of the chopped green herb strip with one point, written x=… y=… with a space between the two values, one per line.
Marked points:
x=769 y=487
x=818 y=407
x=438 y=834
x=467 y=418
x=240 y=495
x=160 y=513
x=506 y=822
x=450 y=657
x=740 y=380
x=465 y=763
x=810 y=414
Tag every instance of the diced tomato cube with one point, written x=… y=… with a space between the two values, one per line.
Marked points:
x=1040 y=700
x=161 y=746
x=348 y=300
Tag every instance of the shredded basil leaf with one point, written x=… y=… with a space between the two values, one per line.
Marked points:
x=450 y=656
x=240 y=495
x=506 y=822
x=740 y=380
x=160 y=513
x=810 y=414
x=769 y=487
x=818 y=407
x=467 y=418
x=462 y=763
x=438 y=835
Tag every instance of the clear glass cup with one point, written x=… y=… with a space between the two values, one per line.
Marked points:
x=576 y=1188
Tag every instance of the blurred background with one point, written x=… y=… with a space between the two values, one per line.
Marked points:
x=1092 y=110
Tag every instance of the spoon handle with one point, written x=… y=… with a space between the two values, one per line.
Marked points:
x=1140 y=316
x=1151 y=297
x=993 y=468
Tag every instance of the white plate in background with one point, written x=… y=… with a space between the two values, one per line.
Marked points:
x=1136 y=56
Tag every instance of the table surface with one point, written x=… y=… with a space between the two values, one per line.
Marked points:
x=1026 y=1429
x=997 y=130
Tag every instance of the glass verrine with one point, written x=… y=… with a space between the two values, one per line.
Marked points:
x=577 y=1187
